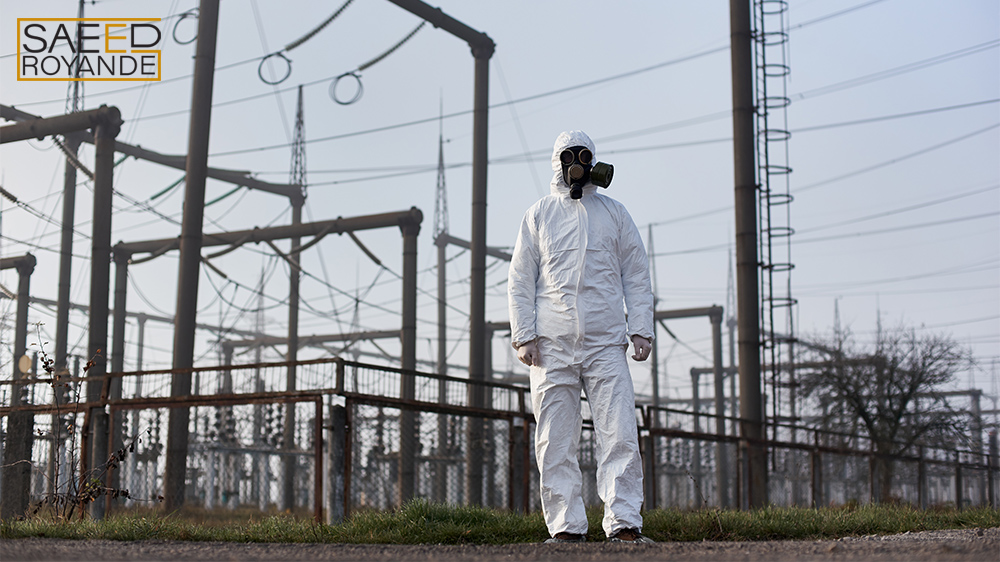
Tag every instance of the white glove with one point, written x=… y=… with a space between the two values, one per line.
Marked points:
x=527 y=353
x=642 y=347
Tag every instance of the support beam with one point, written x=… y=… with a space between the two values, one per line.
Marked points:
x=314 y=340
x=39 y=128
x=237 y=177
x=15 y=478
x=319 y=228
x=142 y=316
x=747 y=292
x=447 y=239
x=409 y=421
x=65 y=262
x=100 y=281
x=189 y=268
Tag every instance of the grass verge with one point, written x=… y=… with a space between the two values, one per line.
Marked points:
x=420 y=522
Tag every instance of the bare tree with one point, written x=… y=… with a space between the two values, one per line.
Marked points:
x=892 y=390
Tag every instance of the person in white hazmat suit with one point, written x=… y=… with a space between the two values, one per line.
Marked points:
x=578 y=264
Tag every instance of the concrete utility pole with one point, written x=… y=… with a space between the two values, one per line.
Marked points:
x=100 y=281
x=748 y=312
x=15 y=480
x=190 y=246
x=482 y=50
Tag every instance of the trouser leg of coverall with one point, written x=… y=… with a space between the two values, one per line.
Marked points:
x=608 y=384
x=555 y=397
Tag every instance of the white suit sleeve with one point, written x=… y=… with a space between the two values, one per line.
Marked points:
x=635 y=280
x=521 y=280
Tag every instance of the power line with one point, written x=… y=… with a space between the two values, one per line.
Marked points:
x=920 y=291
x=600 y=81
x=716 y=247
x=888 y=73
x=882 y=164
x=902 y=209
x=984 y=265
x=894 y=116
x=519 y=158
x=991 y=214
x=834 y=15
x=810 y=93
x=897 y=159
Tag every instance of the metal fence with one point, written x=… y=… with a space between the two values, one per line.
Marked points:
x=369 y=437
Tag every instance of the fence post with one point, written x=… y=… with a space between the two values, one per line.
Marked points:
x=873 y=490
x=991 y=463
x=318 y=462
x=348 y=460
x=817 y=473
x=518 y=465
x=649 y=462
x=958 y=480
x=339 y=388
x=526 y=474
x=338 y=434
x=921 y=479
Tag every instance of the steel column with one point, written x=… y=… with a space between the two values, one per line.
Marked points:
x=409 y=430
x=65 y=263
x=721 y=448
x=100 y=276
x=291 y=355
x=59 y=366
x=482 y=50
x=40 y=128
x=190 y=249
x=440 y=486
x=15 y=480
x=748 y=312
x=118 y=352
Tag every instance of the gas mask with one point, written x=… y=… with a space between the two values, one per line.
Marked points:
x=578 y=169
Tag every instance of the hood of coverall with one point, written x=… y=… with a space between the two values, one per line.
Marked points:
x=565 y=140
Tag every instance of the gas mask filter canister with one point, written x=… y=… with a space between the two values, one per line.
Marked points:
x=578 y=169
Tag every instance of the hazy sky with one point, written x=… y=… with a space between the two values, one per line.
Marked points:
x=895 y=148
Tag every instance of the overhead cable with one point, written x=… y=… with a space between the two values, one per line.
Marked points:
x=318 y=28
x=356 y=74
x=897 y=159
x=918 y=65
x=281 y=54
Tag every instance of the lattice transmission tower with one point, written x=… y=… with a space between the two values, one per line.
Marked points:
x=298 y=171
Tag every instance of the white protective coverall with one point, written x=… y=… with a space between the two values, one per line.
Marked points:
x=575 y=263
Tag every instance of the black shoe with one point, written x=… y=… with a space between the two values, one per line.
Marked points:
x=566 y=537
x=630 y=536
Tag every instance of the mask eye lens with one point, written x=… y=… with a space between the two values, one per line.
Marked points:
x=586 y=156
x=566 y=157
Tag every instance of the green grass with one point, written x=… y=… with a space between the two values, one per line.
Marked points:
x=420 y=522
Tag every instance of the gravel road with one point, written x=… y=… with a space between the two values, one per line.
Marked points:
x=966 y=544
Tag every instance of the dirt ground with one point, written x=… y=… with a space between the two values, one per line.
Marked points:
x=968 y=544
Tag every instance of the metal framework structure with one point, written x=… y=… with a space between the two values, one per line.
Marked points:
x=774 y=203
x=366 y=438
